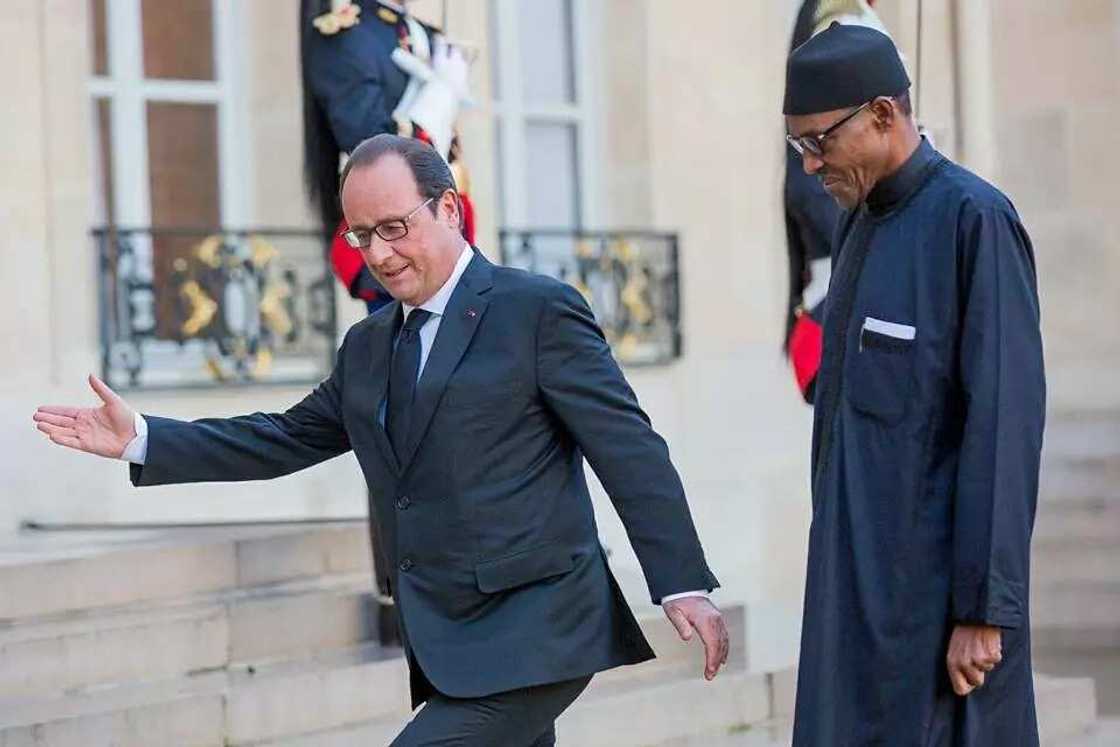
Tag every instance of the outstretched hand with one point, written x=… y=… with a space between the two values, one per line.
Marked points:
x=104 y=431
x=691 y=615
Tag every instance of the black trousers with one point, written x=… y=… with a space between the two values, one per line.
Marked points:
x=519 y=718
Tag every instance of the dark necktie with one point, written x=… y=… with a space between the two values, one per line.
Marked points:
x=402 y=379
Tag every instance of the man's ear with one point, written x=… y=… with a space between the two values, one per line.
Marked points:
x=883 y=109
x=451 y=208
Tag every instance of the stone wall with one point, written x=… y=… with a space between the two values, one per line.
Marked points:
x=692 y=143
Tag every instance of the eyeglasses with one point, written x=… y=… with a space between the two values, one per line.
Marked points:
x=815 y=143
x=390 y=230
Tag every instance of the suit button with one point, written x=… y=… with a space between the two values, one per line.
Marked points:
x=406 y=565
x=404 y=502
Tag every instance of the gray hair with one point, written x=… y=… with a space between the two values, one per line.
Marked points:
x=432 y=174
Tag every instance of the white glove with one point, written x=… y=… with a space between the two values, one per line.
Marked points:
x=444 y=91
x=449 y=64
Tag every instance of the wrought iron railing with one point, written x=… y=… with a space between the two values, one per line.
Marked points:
x=206 y=307
x=631 y=279
x=214 y=307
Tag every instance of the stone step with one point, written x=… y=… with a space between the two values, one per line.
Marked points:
x=222 y=639
x=161 y=640
x=1079 y=477
x=651 y=714
x=1066 y=715
x=188 y=721
x=41 y=579
x=1074 y=519
x=1076 y=617
x=359 y=697
x=1077 y=605
x=771 y=733
x=1074 y=560
x=1082 y=434
x=230 y=607
x=240 y=706
x=1066 y=707
x=1101 y=665
x=615 y=713
x=298 y=698
x=1075 y=637
x=381 y=731
x=1104 y=733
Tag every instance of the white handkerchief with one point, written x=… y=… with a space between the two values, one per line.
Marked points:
x=890 y=329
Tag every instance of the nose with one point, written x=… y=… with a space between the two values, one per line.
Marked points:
x=378 y=252
x=811 y=162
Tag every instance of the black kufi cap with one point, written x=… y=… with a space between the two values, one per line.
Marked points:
x=843 y=66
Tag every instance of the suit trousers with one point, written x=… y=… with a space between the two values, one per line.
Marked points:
x=518 y=718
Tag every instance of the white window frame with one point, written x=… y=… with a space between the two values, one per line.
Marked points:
x=129 y=92
x=512 y=113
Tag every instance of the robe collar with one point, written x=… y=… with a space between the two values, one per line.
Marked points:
x=891 y=191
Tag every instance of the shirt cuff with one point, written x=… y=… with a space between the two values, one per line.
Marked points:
x=137 y=449
x=682 y=595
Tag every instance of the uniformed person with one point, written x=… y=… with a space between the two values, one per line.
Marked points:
x=811 y=215
x=357 y=57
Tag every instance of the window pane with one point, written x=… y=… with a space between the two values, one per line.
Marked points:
x=551 y=158
x=495 y=59
x=499 y=169
x=104 y=207
x=99 y=44
x=546 y=51
x=183 y=161
x=183 y=168
x=178 y=39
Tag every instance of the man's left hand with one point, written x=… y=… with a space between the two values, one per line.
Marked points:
x=689 y=614
x=974 y=650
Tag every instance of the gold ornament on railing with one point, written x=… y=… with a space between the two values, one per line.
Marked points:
x=209 y=250
x=202 y=308
x=634 y=293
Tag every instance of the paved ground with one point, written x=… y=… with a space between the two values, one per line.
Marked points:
x=1102 y=666
x=760 y=735
x=1105 y=734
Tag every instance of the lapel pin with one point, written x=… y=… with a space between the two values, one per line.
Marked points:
x=472 y=313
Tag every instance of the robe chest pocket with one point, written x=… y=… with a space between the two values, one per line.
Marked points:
x=881 y=370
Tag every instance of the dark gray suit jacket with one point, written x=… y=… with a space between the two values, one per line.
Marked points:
x=485 y=520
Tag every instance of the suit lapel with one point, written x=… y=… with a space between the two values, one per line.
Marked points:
x=381 y=348
x=460 y=321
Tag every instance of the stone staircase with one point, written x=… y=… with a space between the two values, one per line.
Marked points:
x=1075 y=601
x=266 y=637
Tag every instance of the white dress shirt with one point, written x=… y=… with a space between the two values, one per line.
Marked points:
x=137 y=449
x=437 y=304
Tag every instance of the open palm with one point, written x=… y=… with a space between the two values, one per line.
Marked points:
x=103 y=430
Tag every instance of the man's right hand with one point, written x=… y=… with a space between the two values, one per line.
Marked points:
x=104 y=431
x=974 y=651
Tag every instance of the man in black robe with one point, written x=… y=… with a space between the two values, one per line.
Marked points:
x=927 y=430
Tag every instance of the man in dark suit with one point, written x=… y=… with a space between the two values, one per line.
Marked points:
x=470 y=402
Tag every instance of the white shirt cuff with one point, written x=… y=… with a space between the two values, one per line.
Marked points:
x=137 y=449
x=682 y=595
